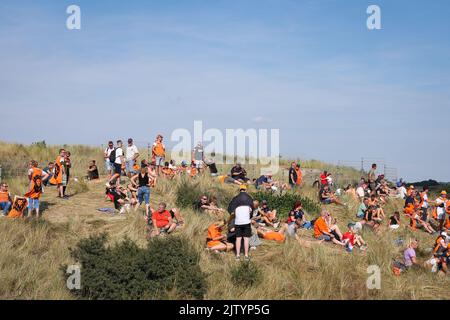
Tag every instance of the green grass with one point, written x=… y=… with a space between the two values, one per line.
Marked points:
x=33 y=252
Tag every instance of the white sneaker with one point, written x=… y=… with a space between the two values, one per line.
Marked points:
x=122 y=211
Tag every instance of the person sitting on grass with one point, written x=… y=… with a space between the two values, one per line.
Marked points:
x=216 y=241
x=167 y=171
x=119 y=197
x=239 y=173
x=132 y=195
x=363 y=208
x=204 y=205
x=333 y=226
x=297 y=213
x=322 y=231
x=162 y=220
x=351 y=238
x=268 y=216
x=92 y=172
x=394 y=221
x=369 y=220
x=375 y=203
x=409 y=254
x=328 y=197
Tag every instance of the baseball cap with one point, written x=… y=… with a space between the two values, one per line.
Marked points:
x=443 y=192
x=351 y=225
x=243 y=187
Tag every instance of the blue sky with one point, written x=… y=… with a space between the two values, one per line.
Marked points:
x=336 y=90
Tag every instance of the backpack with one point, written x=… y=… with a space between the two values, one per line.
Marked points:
x=112 y=156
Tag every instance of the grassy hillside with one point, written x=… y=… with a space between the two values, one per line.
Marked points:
x=33 y=252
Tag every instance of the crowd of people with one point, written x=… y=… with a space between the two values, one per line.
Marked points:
x=249 y=220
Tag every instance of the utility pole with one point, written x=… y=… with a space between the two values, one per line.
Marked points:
x=362 y=165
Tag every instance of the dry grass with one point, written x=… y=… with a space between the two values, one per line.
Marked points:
x=32 y=253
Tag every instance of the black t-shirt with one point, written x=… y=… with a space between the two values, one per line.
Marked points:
x=212 y=168
x=393 y=220
x=409 y=199
x=235 y=170
x=293 y=173
x=94 y=173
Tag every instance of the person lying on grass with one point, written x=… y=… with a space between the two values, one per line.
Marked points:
x=297 y=213
x=328 y=197
x=217 y=241
x=227 y=179
x=322 y=231
x=352 y=239
x=163 y=221
x=269 y=234
x=268 y=216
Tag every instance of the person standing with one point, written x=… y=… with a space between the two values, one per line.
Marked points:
x=242 y=206
x=5 y=199
x=59 y=171
x=372 y=177
x=424 y=202
x=67 y=167
x=198 y=155
x=131 y=157
x=142 y=182
x=440 y=209
x=117 y=158
x=293 y=175
x=108 y=165
x=299 y=173
x=35 y=175
x=158 y=152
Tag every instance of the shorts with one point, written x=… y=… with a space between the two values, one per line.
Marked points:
x=327 y=201
x=117 y=169
x=198 y=164
x=244 y=230
x=33 y=204
x=159 y=161
x=441 y=216
x=129 y=166
x=324 y=237
x=143 y=195
x=109 y=166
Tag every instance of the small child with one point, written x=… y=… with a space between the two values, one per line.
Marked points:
x=350 y=238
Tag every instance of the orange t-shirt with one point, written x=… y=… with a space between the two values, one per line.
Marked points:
x=299 y=176
x=161 y=218
x=320 y=226
x=213 y=232
x=158 y=149
x=276 y=236
x=35 y=184
x=4 y=196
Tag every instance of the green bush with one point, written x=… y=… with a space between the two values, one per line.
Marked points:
x=284 y=203
x=246 y=274
x=126 y=271
x=189 y=193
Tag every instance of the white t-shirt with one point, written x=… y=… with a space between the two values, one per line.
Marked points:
x=108 y=153
x=131 y=151
x=402 y=192
x=119 y=153
x=360 y=192
x=242 y=215
x=425 y=201
x=440 y=210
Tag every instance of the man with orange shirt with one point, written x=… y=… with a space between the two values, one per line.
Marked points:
x=5 y=199
x=162 y=220
x=158 y=152
x=35 y=175
x=322 y=231
x=59 y=171
x=299 y=173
